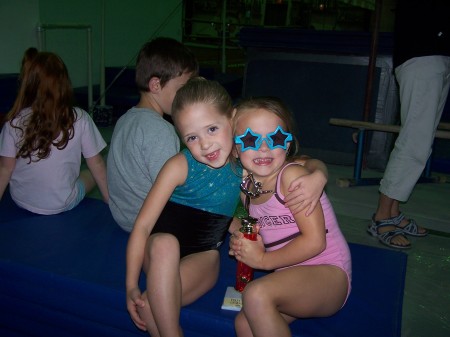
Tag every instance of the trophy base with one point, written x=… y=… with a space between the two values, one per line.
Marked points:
x=232 y=300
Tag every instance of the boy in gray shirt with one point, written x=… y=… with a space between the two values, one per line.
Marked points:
x=143 y=140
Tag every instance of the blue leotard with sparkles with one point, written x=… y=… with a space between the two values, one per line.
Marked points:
x=200 y=211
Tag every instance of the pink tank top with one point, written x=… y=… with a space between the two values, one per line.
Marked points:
x=278 y=227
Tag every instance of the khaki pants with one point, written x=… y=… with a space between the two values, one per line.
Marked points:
x=424 y=85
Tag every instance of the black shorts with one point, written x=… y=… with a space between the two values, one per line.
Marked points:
x=196 y=230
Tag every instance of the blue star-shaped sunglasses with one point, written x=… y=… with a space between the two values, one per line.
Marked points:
x=253 y=141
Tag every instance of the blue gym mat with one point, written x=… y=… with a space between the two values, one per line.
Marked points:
x=64 y=275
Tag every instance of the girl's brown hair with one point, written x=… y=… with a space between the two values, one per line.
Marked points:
x=27 y=59
x=46 y=89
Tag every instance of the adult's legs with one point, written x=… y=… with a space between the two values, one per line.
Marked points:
x=424 y=84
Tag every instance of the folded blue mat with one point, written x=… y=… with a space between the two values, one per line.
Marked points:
x=64 y=275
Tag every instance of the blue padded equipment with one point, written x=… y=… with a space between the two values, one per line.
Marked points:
x=64 y=275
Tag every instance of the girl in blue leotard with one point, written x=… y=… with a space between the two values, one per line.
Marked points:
x=186 y=214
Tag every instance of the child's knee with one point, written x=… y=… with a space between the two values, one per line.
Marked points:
x=161 y=244
x=254 y=291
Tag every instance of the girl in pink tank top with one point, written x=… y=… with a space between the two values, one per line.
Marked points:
x=309 y=253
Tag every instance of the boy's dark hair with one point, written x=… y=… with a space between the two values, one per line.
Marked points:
x=165 y=58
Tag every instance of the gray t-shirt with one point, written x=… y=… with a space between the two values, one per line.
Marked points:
x=142 y=142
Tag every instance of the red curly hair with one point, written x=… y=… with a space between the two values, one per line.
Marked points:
x=45 y=88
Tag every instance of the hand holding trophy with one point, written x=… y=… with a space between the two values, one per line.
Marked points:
x=252 y=189
x=244 y=273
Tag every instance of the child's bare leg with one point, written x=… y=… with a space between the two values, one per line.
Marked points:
x=242 y=326
x=271 y=302
x=172 y=283
x=147 y=316
x=199 y=273
x=243 y=329
x=162 y=267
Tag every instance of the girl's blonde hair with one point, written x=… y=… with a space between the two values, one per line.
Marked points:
x=45 y=88
x=200 y=90
x=275 y=106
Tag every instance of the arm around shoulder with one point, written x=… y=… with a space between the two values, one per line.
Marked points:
x=314 y=166
x=305 y=191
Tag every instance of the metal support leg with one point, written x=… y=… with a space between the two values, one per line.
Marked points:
x=359 y=158
x=359 y=155
x=357 y=180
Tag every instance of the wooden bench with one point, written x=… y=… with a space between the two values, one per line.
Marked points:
x=443 y=132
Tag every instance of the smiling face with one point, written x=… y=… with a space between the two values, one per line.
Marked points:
x=206 y=133
x=263 y=162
